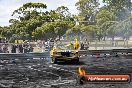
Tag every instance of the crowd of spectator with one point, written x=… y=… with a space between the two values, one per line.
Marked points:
x=45 y=45
x=25 y=46
x=16 y=48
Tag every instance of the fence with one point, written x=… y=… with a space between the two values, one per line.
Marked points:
x=108 y=44
x=8 y=56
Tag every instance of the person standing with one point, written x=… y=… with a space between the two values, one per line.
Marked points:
x=25 y=47
x=13 y=49
x=86 y=44
x=0 y=40
x=5 y=48
x=43 y=46
x=20 y=47
x=76 y=44
x=0 y=48
x=82 y=46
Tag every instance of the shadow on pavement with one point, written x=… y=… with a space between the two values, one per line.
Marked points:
x=70 y=63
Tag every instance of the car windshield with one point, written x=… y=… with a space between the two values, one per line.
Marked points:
x=64 y=46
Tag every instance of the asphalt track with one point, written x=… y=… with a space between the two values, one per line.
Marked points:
x=40 y=73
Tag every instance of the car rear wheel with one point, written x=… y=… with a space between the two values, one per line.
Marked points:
x=82 y=80
x=76 y=61
x=54 y=60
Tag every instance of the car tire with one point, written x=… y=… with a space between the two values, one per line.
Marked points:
x=54 y=60
x=81 y=80
x=76 y=61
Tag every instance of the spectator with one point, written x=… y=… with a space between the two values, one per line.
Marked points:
x=20 y=47
x=5 y=48
x=13 y=49
x=30 y=48
x=26 y=47
x=47 y=46
x=0 y=40
x=0 y=48
x=43 y=46
x=82 y=46
x=86 y=44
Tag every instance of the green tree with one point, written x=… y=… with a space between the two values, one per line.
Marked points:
x=62 y=10
x=124 y=28
x=105 y=18
x=107 y=29
x=121 y=8
x=88 y=9
x=45 y=31
x=73 y=33
x=89 y=31
x=29 y=10
x=28 y=18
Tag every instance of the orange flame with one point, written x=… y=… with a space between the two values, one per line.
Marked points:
x=81 y=71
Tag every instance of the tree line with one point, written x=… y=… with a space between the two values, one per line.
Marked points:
x=32 y=21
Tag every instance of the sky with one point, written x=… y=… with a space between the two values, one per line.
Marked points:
x=8 y=6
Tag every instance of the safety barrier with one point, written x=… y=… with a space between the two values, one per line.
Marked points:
x=7 y=56
x=110 y=51
x=47 y=54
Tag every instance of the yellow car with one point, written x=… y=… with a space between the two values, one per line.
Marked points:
x=60 y=53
